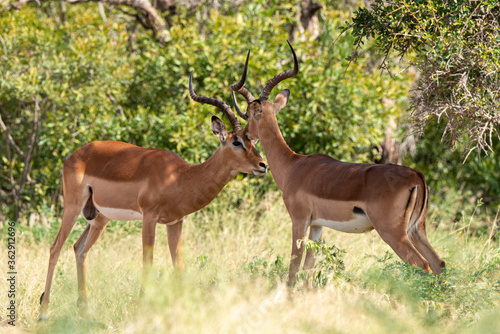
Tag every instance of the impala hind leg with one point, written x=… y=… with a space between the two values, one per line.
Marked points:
x=418 y=238
x=174 y=244
x=148 y=243
x=70 y=214
x=88 y=238
x=399 y=242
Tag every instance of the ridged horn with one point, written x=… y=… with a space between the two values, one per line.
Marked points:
x=280 y=77
x=238 y=87
x=238 y=110
x=226 y=109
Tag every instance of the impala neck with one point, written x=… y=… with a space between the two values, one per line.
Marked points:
x=207 y=179
x=279 y=156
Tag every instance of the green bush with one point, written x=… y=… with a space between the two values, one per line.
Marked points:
x=88 y=85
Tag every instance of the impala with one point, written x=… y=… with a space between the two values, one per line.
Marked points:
x=114 y=180
x=320 y=191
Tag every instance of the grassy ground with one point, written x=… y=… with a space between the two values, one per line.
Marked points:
x=235 y=279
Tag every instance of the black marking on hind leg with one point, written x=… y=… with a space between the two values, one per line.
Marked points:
x=41 y=297
x=89 y=210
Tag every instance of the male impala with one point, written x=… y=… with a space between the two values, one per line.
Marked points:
x=113 y=180
x=320 y=191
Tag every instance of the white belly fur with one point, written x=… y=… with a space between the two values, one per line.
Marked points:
x=358 y=225
x=119 y=214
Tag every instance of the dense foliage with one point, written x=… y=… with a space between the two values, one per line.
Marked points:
x=456 y=47
x=64 y=85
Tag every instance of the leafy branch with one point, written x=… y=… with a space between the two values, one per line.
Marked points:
x=456 y=48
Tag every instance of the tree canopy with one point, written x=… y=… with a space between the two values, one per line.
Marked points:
x=456 y=47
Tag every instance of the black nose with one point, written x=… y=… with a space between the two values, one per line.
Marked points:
x=263 y=165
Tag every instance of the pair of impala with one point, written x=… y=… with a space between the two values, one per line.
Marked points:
x=113 y=180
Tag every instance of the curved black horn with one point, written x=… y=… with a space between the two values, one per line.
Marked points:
x=238 y=110
x=235 y=124
x=280 y=77
x=238 y=87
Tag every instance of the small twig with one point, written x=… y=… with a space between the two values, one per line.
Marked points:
x=389 y=50
x=133 y=33
x=5 y=56
x=63 y=11
x=436 y=20
x=9 y=137
x=407 y=35
x=11 y=176
x=100 y=4
x=341 y=33
x=354 y=55
x=468 y=153
x=418 y=21
x=125 y=12
x=73 y=135
x=76 y=133
x=118 y=106
x=31 y=143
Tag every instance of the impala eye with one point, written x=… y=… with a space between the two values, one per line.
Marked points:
x=236 y=143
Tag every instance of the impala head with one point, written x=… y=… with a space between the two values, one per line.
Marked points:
x=262 y=110
x=237 y=146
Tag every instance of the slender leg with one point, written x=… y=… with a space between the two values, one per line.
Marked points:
x=174 y=244
x=399 y=242
x=148 y=242
x=418 y=238
x=70 y=214
x=391 y=223
x=298 y=232
x=88 y=238
x=82 y=238
x=314 y=235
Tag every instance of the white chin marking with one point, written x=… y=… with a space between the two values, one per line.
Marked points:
x=258 y=172
x=359 y=224
x=119 y=214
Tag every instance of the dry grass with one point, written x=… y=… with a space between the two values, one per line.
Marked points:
x=234 y=281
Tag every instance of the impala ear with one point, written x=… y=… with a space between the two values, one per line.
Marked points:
x=255 y=109
x=281 y=100
x=219 y=129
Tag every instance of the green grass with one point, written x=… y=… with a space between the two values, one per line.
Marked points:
x=236 y=265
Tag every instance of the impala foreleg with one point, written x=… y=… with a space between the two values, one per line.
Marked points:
x=148 y=243
x=174 y=244
x=88 y=238
x=70 y=214
x=298 y=232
